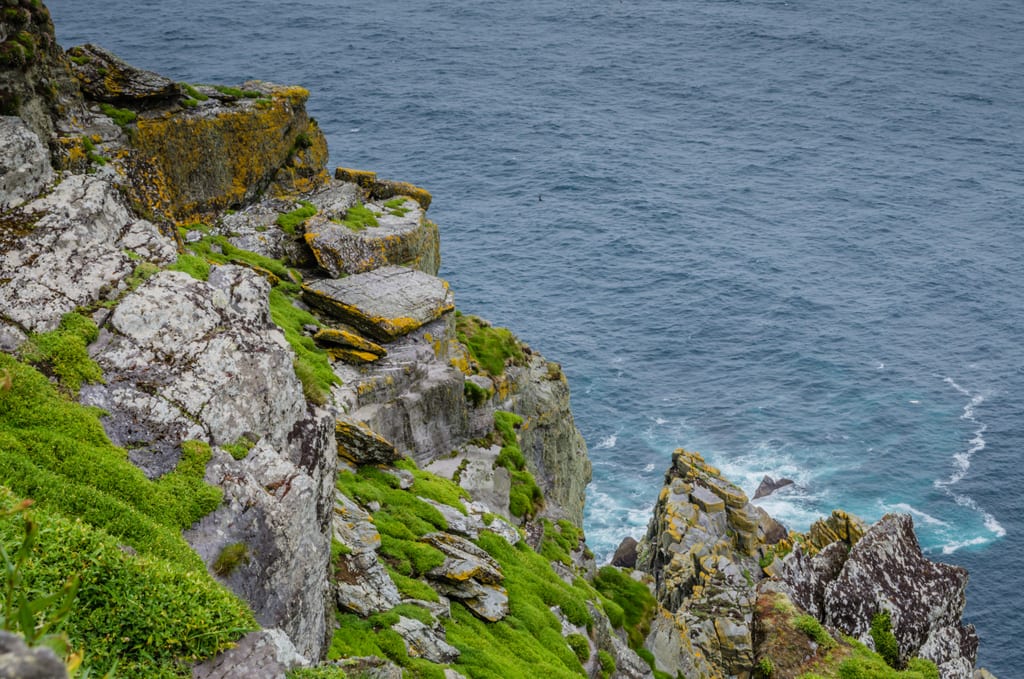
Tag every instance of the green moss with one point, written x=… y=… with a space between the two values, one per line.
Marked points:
x=411 y=588
x=395 y=206
x=290 y=221
x=559 y=541
x=230 y=558
x=240 y=448
x=885 y=641
x=525 y=496
x=637 y=603
x=506 y=424
x=810 y=626
x=607 y=662
x=489 y=346
x=62 y=353
x=90 y=152
x=311 y=364
x=190 y=103
x=237 y=93
x=195 y=266
x=81 y=61
x=475 y=394
x=373 y=636
x=428 y=485
x=580 y=646
x=766 y=667
x=324 y=672
x=359 y=217
x=193 y=92
x=121 y=116
x=147 y=615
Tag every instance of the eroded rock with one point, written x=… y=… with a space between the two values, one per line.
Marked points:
x=24 y=163
x=263 y=654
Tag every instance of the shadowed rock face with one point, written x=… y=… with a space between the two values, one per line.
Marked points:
x=886 y=571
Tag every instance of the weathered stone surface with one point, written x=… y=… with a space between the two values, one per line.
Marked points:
x=625 y=554
x=185 y=358
x=385 y=303
x=339 y=337
x=24 y=163
x=255 y=228
x=669 y=642
x=382 y=189
x=402 y=236
x=359 y=444
x=477 y=475
x=470 y=575
x=265 y=654
x=555 y=451
x=706 y=500
x=425 y=642
x=887 y=571
x=769 y=485
x=362 y=585
x=18 y=661
x=413 y=397
x=187 y=164
x=76 y=254
x=370 y=667
x=106 y=77
x=353 y=526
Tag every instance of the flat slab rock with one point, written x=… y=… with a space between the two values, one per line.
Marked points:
x=385 y=303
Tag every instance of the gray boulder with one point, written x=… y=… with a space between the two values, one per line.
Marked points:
x=470 y=575
x=24 y=163
x=18 y=661
x=265 y=654
x=425 y=642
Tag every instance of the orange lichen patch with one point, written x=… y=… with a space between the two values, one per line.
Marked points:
x=192 y=163
x=353 y=356
x=306 y=170
x=363 y=178
x=343 y=338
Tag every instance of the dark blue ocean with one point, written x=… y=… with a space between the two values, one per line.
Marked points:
x=785 y=234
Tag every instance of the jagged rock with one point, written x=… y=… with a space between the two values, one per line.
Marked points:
x=353 y=526
x=24 y=163
x=382 y=189
x=76 y=254
x=625 y=554
x=554 y=448
x=770 y=531
x=807 y=577
x=385 y=303
x=188 y=164
x=265 y=654
x=424 y=642
x=362 y=584
x=886 y=571
x=106 y=77
x=669 y=643
x=474 y=469
x=402 y=236
x=339 y=337
x=470 y=575
x=769 y=485
x=18 y=661
x=185 y=358
x=413 y=397
x=335 y=198
x=359 y=444
x=839 y=527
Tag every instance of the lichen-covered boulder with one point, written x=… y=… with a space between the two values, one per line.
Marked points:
x=106 y=77
x=358 y=444
x=263 y=654
x=79 y=245
x=24 y=163
x=426 y=642
x=469 y=574
x=397 y=233
x=385 y=303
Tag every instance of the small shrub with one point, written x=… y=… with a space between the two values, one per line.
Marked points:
x=885 y=641
x=230 y=558
x=579 y=645
x=810 y=626
x=475 y=394
x=766 y=667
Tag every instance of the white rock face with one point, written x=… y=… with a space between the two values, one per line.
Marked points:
x=24 y=163
x=76 y=253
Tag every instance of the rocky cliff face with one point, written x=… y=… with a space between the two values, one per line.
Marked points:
x=370 y=482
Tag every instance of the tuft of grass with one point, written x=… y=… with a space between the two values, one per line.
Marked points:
x=437 y=488
x=230 y=558
x=311 y=365
x=194 y=265
x=90 y=151
x=885 y=641
x=525 y=496
x=636 y=602
x=193 y=92
x=489 y=346
x=62 y=353
x=290 y=221
x=810 y=626
x=121 y=116
x=395 y=206
x=240 y=448
x=411 y=588
x=359 y=217
x=475 y=394
x=237 y=93
x=580 y=646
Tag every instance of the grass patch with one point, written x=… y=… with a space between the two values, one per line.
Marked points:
x=489 y=346
x=525 y=496
x=810 y=626
x=356 y=637
x=240 y=448
x=237 y=93
x=359 y=217
x=311 y=365
x=411 y=588
x=122 y=116
x=885 y=641
x=193 y=92
x=636 y=602
x=90 y=151
x=62 y=353
x=195 y=266
x=429 y=485
x=291 y=221
x=230 y=558
x=395 y=206
x=559 y=541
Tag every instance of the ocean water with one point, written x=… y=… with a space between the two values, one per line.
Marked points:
x=785 y=234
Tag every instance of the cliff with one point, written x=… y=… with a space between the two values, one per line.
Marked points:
x=260 y=440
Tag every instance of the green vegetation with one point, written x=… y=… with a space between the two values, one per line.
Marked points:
x=560 y=540
x=194 y=265
x=395 y=206
x=580 y=646
x=290 y=221
x=439 y=489
x=190 y=103
x=80 y=60
x=607 y=664
x=90 y=151
x=121 y=116
x=766 y=667
x=885 y=641
x=62 y=353
x=810 y=626
x=311 y=365
x=193 y=92
x=525 y=496
x=475 y=394
x=411 y=588
x=237 y=93
x=240 y=448
x=636 y=602
x=359 y=217
x=356 y=636
x=490 y=347
x=230 y=558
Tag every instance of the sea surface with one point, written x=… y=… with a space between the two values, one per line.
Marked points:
x=789 y=235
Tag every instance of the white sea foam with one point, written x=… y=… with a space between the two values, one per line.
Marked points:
x=649 y=468
x=951 y=547
x=607 y=442
x=924 y=517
